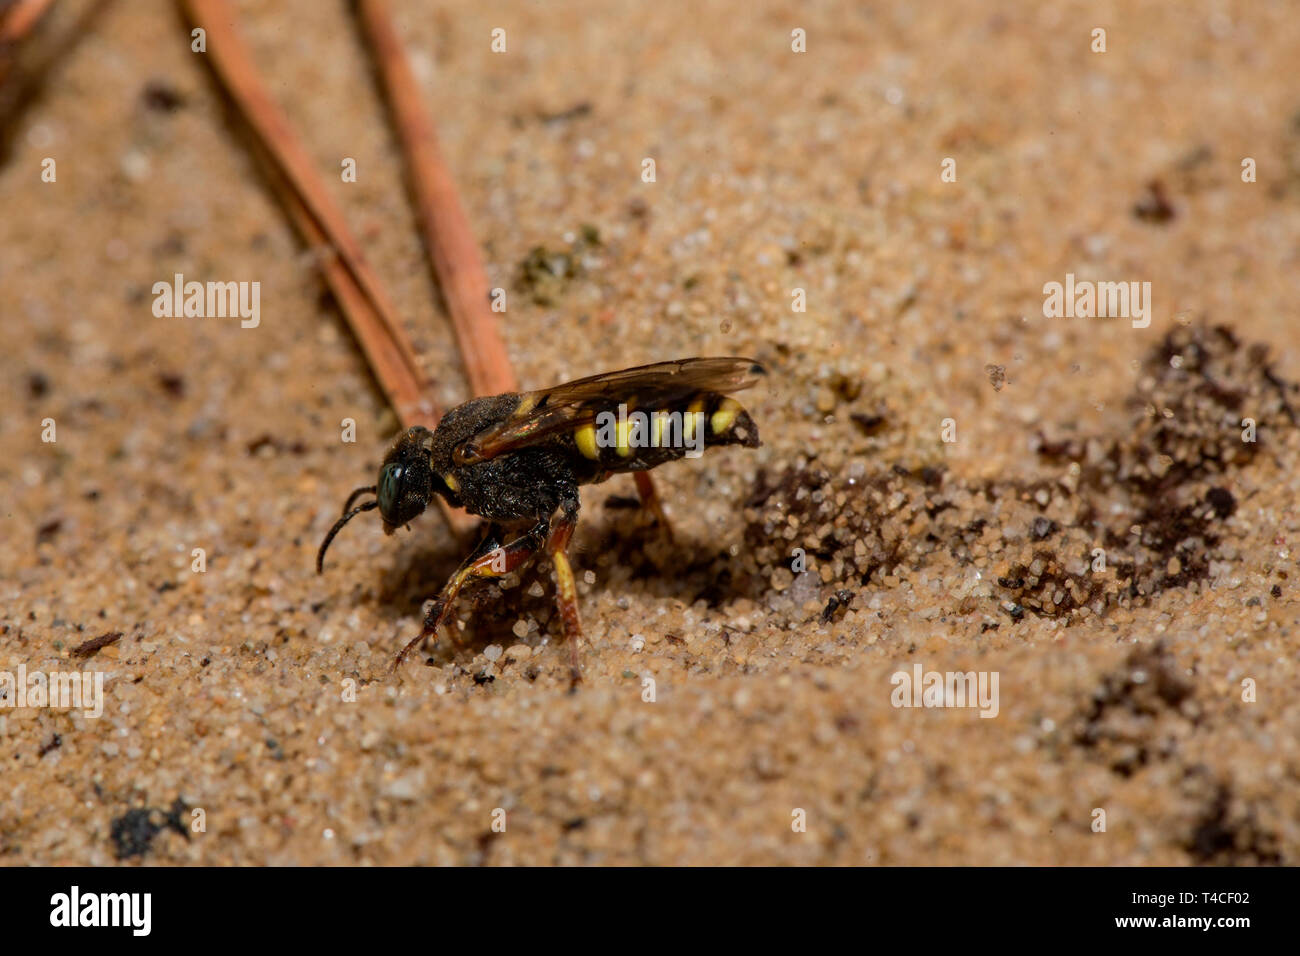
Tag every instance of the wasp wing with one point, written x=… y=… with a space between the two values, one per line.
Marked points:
x=551 y=411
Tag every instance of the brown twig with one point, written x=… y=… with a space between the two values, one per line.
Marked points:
x=385 y=342
x=20 y=84
x=366 y=307
x=448 y=238
x=20 y=18
x=447 y=235
x=94 y=645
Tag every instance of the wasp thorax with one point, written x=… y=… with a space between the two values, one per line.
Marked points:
x=405 y=484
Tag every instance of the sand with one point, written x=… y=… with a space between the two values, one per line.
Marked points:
x=734 y=710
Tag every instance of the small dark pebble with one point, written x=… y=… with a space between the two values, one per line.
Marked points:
x=1222 y=501
x=161 y=96
x=172 y=384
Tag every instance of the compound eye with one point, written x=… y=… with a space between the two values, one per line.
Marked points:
x=390 y=488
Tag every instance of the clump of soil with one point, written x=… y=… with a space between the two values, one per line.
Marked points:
x=1136 y=513
x=1121 y=720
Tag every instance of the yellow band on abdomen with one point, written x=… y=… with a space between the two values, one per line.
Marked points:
x=585 y=439
x=725 y=416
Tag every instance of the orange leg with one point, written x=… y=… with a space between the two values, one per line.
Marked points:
x=489 y=559
x=645 y=489
x=566 y=587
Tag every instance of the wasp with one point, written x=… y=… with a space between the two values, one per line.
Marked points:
x=518 y=459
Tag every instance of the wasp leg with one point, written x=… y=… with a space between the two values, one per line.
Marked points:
x=645 y=489
x=566 y=589
x=488 y=544
x=489 y=559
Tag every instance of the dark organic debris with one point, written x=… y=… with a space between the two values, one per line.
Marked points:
x=90 y=647
x=46 y=531
x=576 y=111
x=837 y=603
x=133 y=832
x=1154 y=206
x=162 y=96
x=172 y=383
x=1222 y=501
x=867 y=424
x=1220 y=837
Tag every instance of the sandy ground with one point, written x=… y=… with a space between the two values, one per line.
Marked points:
x=253 y=698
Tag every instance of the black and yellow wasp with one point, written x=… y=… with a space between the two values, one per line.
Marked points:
x=517 y=459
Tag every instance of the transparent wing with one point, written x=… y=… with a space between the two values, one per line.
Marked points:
x=551 y=411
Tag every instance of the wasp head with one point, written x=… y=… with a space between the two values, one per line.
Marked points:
x=406 y=484
x=405 y=487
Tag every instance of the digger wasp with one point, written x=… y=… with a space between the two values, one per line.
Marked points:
x=518 y=459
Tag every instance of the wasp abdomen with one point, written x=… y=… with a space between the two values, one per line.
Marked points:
x=626 y=437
